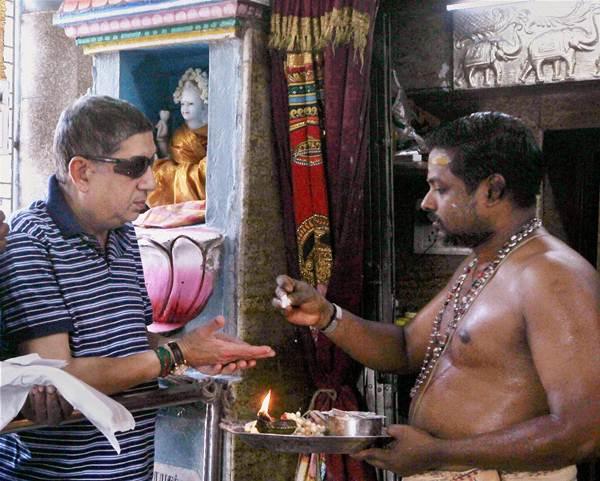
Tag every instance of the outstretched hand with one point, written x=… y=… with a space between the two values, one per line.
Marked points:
x=306 y=307
x=231 y=367
x=214 y=352
x=46 y=406
x=412 y=451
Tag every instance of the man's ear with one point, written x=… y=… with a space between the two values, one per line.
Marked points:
x=496 y=185
x=79 y=172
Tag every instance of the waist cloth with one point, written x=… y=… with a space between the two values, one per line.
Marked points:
x=564 y=474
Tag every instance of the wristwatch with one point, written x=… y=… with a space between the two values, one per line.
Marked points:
x=333 y=322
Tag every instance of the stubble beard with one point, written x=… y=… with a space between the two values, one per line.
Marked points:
x=466 y=239
x=469 y=239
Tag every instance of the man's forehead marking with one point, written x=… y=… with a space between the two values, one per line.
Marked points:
x=439 y=159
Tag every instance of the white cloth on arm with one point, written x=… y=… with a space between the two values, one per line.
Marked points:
x=19 y=374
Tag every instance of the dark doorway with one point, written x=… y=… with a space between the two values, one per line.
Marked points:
x=573 y=158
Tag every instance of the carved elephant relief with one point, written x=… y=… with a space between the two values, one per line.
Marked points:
x=558 y=46
x=485 y=56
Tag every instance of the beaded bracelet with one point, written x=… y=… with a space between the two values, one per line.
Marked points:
x=180 y=362
x=166 y=361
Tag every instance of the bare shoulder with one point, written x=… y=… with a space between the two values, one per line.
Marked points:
x=553 y=276
x=548 y=259
x=559 y=301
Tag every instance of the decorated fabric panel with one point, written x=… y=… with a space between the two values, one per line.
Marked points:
x=305 y=80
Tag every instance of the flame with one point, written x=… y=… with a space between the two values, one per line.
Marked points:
x=264 y=407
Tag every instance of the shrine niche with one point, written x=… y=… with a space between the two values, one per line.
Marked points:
x=526 y=44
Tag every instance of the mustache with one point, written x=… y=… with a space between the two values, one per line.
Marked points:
x=432 y=217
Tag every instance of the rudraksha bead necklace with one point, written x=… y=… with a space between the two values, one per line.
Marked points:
x=461 y=304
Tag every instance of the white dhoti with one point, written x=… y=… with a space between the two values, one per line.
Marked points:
x=565 y=474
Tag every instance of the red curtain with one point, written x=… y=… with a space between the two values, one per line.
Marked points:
x=321 y=60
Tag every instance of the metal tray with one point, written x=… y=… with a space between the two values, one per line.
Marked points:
x=290 y=443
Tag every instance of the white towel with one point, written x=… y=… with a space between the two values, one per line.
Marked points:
x=19 y=374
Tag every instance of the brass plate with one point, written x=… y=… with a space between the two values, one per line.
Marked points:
x=290 y=443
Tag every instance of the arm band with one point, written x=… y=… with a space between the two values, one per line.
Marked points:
x=166 y=361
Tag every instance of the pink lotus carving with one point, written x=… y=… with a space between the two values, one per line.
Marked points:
x=179 y=264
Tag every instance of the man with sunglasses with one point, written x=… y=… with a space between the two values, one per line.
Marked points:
x=72 y=288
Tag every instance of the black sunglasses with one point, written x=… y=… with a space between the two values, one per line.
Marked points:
x=134 y=167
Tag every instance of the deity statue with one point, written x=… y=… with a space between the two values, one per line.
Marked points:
x=179 y=254
x=181 y=176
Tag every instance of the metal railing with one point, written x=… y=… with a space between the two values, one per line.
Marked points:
x=211 y=392
x=172 y=396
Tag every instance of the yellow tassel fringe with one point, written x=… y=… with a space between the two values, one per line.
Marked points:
x=341 y=26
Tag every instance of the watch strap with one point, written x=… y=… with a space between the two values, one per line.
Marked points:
x=333 y=322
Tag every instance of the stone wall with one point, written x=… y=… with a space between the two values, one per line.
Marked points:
x=260 y=260
x=51 y=79
x=7 y=109
x=421 y=42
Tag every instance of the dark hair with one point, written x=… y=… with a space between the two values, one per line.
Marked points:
x=486 y=143
x=95 y=125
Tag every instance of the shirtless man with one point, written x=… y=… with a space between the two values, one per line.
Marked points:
x=514 y=393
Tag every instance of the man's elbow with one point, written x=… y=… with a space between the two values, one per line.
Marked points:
x=585 y=439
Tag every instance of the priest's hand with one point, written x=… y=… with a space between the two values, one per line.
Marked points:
x=412 y=451
x=301 y=303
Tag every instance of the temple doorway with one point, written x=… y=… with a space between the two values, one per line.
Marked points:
x=573 y=158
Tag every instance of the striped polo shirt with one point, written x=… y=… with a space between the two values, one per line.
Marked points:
x=55 y=278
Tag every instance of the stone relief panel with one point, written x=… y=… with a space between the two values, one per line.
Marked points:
x=526 y=43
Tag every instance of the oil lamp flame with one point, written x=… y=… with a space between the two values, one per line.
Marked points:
x=264 y=407
x=266 y=424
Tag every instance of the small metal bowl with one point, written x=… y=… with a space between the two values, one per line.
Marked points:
x=349 y=425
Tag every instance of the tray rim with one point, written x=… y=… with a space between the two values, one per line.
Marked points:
x=237 y=429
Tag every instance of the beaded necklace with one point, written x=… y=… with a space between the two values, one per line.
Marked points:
x=461 y=304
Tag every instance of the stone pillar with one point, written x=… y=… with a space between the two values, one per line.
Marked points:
x=54 y=72
x=260 y=258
